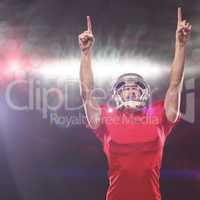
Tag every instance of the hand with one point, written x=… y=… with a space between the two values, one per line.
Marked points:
x=184 y=29
x=86 y=39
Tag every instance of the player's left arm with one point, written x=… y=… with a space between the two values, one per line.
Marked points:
x=173 y=95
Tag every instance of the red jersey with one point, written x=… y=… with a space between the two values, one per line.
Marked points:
x=133 y=144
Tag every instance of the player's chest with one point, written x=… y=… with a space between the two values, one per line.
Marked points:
x=133 y=129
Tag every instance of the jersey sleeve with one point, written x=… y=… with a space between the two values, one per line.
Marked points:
x=164 y=122
x=101 y=130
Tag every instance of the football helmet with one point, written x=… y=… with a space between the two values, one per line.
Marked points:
x=136 y=82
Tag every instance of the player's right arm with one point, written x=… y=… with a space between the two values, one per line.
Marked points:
x=91 y=107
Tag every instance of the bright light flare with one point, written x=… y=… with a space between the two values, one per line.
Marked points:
x=103 y=68
x=14 y=66
x=68 y=68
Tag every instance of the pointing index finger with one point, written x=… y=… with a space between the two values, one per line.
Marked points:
x=179 y=15
x=89 y=24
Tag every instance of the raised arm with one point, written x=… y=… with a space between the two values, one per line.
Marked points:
x=92 y=110
x=173 y=95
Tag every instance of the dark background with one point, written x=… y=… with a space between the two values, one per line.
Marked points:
x=39 y=160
